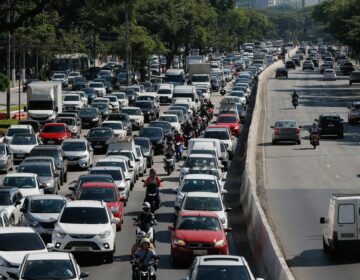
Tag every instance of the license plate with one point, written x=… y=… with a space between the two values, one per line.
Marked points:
x=51 y=142
x=82 y=249
x=199 y=252
x=330 y=125
x=97 y=146
x=20 y=155
x=85 y=123
x=72 y=162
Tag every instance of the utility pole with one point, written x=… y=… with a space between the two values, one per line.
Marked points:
x=127 y=41
x=94 y=45
x=8 y=61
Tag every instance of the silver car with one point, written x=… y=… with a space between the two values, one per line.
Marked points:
x=78 y=152
x=286 y=130
x=71 y=122
x=6 y=158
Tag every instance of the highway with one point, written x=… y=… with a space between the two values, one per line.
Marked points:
x=299 y=180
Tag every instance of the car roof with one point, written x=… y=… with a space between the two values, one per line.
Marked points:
x=98 y=185
x=227 y=115
x=49 y=256
x=221 y=260
x=110 y=159
x=41 y=163
x=47 y=147
x=104 y=168
x=54 y=124
x=21 y=174
x=202 y=194
x=75 y=140
x=45 y=196
x=16 y=230
x=85 y=203
x=191 y=213
x=20 y=126
x=200 y=177
x=201 y=156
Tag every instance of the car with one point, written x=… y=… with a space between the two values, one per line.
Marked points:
x=90 y=117
x=16 y=129
x=21 y=145
x=86 y=226
x=347 y=68
x=179 y=113
x=11 y=200
x=78 y=153
x=135 y=115
x=102 y=107
x=55 y=133
x=329 y=75
x=308 y=65
x=99 y=88
x=330 y=124
x=231 y=121
x=156 y=136
x=72 y=125
x=281 y=72
x=354 y=112
x=71 y=102
x=29 y=81
x=34 y=124
x=286 y=130
x=165 y=93
x=57 y=265
x=354 y=77
x=107 y=192
x=290 y=64
x=198 y=183
x=204 y=201
x=75 y=185
x=148 y=109
x=57 y=154
x=6 y=158
x=124 y=118
x=72 y=76
x=4 y=220
x=27 y=183
x=114 y=103
x=165 y=126
x=129 y=156
x=197 y=233
x=220 y=267
x=15 y=244
x=146 y=148
x=117 y=127
x=296 y=61
x=173 y=120
x=324 y=66
x=79 y=83
x=100 y=138
x=40 y=212
x=119 y=179
x=71 y=114
x=121 y=97
x=141 y=160
x=150 y=96
x=60 y=77
x=48 y=178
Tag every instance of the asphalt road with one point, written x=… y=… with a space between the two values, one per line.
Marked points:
x=299 y=181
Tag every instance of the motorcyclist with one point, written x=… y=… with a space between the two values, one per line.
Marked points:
x=153 y=179
x=178 y=138
x=145 y=255
x=137 y=244
x=169 y=150
x=188 y=129
x=146 y=219
x=314 y=129
x=295 y=95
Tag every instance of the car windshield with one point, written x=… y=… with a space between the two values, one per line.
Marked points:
x=120 y=95
x=29 y=139
x=46 y=152
x=100 y=133
x=203 y=203
x=41 y=170
x=164 y=125
x=199 y=185
x=164 y=91
x=2 y=149
x=200 y=78
x=53 y=129
x=22 y=241
x=114 y=125
x=150 y=133
x=47 y=205
x=79 y=80
x=4 y=199
x=145 y=98
x=199 y=223
x=144 y=105
x=221 y=135
x=84 y=215
x=120 y=164
x=192 y=162
x=100 y=106
x=168 y=118
x=59 y=76
x=144 y=144
x=87 y=179
x=131 y=111
x=88 y=111
x=96 y=85
x=72 y=98
x=73 y=146
x=20 y=182
x=286 y=124
x=13 y=131
x=222 y=272
x=105 y=194
x=48 y=269
x=115 y=174
x=226 y=119
x=68 y=121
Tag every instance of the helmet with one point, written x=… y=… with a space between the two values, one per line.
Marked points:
x=145 y=240
x=146 y=206
x=314 y=124
x=152 y=172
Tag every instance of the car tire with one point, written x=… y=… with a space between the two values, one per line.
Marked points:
x=109 y=257
x=174 y=262
x=325 y=247
x=65 y=177
x=341 y=135
x=132 y=186
x=274 y=142
x=298 y=142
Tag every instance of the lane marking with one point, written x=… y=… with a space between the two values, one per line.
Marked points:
x=328 y=165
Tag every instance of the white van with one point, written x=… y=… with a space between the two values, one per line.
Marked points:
x=342 y=226
x=187 y=92
x=199 y=141
x=165 y=93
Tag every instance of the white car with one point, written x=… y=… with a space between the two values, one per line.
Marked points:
x=205 y=91
x=78 y=153
x=83 y=98
x=173 y=120
x=141 y=160
x=118 y=176
x=114 y=103
x=54 y=265
x=135 y=116
x=329 y=75
x=122 y=99
x=11 y=201
x=17 y=129
x=99 y=88
x=15 y=244
x=224 y=135
x=101 y=100
x=117 y=127
x=71 y=102
x=60 y=77
x=22 y=144
x=27 y=183
x=198 y=183
x=72 y=76
x=86 y=226
x=134 y=166
x=205 y=201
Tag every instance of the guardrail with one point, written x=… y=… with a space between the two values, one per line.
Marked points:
x=264 y=248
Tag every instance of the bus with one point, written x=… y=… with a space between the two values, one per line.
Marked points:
x=69 y=62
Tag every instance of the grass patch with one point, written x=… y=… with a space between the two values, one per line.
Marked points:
x=5 y=122
x=13 y=108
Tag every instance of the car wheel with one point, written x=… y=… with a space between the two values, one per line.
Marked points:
x=274 y=142
x=174 y=262
x=65 y=177
x=109 y=257
x=341 y=135
x=299 y=142
x=325 y=247
x=131 y=186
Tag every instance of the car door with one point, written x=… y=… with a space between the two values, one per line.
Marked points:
x=17 y=201
x=348 y=213
x=9 y=156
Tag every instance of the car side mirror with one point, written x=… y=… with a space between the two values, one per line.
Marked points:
x=177 y=208
x=271 y=126
x=228 y=210
x=115 y=220
x=228 y=229
x=84 y=274
x=322 y=220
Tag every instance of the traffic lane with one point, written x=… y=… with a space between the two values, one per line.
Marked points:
x=302 y=180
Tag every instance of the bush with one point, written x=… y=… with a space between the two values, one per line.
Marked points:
x=4 y=82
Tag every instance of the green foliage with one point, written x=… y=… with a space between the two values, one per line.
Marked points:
x=4 y=82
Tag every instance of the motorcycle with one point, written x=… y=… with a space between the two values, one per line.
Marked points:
x=152 y=196
x=314 y=139
x=210 y=112
x=144 y=230
x=187 y=137
x=223 y=91
x=178 y=150
x=169 y=164
x=144 y=272
x=295 y=102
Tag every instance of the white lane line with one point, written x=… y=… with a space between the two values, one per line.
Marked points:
x=328 y=165
x=337 y=176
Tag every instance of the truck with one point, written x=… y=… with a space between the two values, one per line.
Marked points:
x=199 y=74
x=44 y=101
x=194 y=59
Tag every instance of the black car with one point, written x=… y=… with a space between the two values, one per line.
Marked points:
x=55 y=152
x=130 y=94
x=290 y=64
x=147 y=149
x=103 y=109
x=92 y=73
x=156 y=136
x=124 y=118
x=90 y=93
x=281 y=72
x=90 y=117
x=79 y=83
x=347 y=68
x=354 y=77
x=100 y=137
x=296 y=61
x=166 y=127
x=149 y=110
x=331 y=124
x=316 y=62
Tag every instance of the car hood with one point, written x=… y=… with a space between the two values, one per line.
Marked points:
x=74 y=153
x=21 y=148
x=52 y=135
x=32 y=191
x=81 y=228
x=43 y=217
x=135 y=117
x=154 y=139
x=16 y=257
x=231 y=125
x=71 y=102
x=92 y=139
x=203 y=236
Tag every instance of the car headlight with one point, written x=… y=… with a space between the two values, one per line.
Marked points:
x=74 y=129
x=179 y=199
x=219 y=243
x=60 y=234
x=34 y=223
x=105 y=234
x=83 y=156
x=179 y=242
x=115 y=209
x=95 y=119
x=223 y=220
x=3 y=262
x=49 y=184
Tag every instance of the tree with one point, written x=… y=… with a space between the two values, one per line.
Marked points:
x=4 y=82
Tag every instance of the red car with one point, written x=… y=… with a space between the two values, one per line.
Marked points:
x=230 y=120
x=197 y=233
x=107 y=192
x=55 y=133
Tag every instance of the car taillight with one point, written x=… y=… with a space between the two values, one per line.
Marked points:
x=277 y=131
x=335 y=236
x=298 y=131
